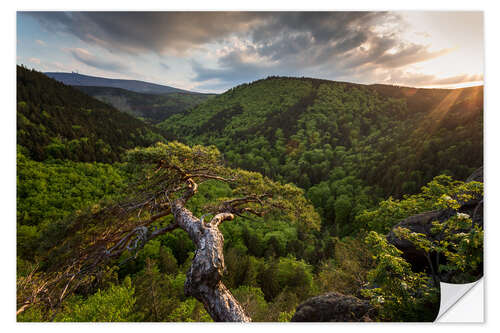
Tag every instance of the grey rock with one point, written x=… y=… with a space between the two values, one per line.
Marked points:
x=334 y=307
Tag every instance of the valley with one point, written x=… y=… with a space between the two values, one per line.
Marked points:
x=325 y=169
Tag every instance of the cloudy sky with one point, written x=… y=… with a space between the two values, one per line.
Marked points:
x=214 y=51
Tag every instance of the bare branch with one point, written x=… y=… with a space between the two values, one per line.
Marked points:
x=208 y=176
x=162 y=231
x=191 y=190
x=221 y=217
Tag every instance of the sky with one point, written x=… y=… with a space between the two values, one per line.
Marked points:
x=214 y=51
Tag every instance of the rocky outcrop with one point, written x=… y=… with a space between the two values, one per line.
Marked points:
x=334 y=307
x=422 y=223
x=476 y=176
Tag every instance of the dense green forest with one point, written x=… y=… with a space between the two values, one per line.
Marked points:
x=152 y=108
x=58 y=121
x=357 y=159
x=348 y=145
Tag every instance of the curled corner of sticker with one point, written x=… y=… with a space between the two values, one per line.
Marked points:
x=461 y=303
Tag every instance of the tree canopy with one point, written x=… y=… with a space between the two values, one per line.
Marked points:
x=80 y=247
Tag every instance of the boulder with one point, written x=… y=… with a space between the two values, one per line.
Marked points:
x=334 y=307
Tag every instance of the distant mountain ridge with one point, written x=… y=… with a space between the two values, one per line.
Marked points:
x=76 y=79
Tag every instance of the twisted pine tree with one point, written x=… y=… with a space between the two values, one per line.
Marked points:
x=80 y=249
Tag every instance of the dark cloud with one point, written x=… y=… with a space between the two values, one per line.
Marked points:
x=329 y=31
x=89 y=59
x=328 y=36
x=269 y=43
x=232 y=70
x=135 y=32
x=331 y=43
x=305 y=42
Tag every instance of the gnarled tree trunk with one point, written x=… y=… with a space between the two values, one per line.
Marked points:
x=204 y=276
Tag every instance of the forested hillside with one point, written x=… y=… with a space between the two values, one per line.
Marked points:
x=152 y=108
x=291 y=184
x=348 y=145
x=58 y=121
